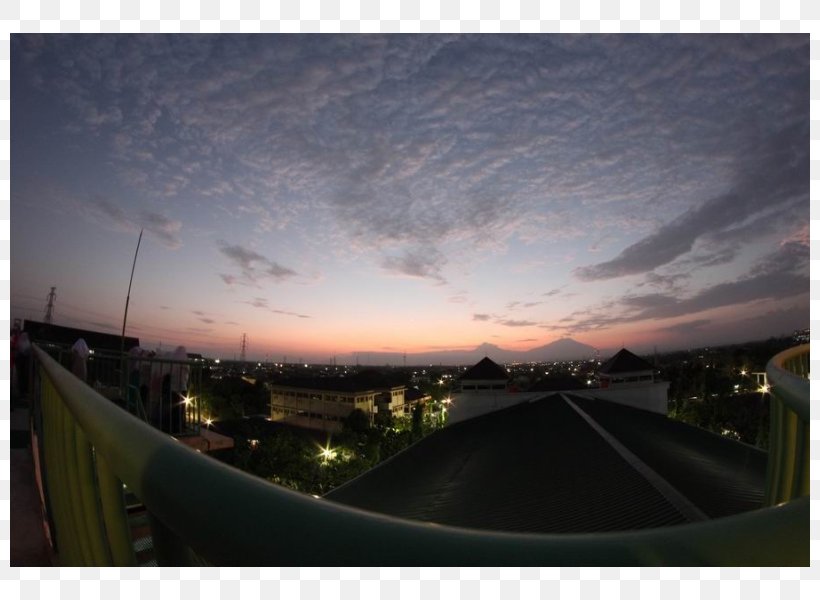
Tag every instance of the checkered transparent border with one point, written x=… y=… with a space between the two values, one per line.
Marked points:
x=408 y=16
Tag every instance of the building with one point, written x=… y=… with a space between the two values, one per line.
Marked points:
x=325 y=402
x=485 y=376
x=628 y=379
x=625 y=379
x=625 y=370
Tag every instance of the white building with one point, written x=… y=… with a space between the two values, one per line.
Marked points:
x=324 y=403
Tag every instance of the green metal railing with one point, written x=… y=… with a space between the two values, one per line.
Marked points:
x=135 y=383
x=787 y=476
x=202 y=510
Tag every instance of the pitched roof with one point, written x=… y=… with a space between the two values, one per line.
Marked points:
x=486 y=369
x=540 y=467
x=625 y=362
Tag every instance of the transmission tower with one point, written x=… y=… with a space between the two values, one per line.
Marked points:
x=50 y=306
x=243 y=347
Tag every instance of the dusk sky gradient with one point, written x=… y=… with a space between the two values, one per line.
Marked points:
x=329 y=195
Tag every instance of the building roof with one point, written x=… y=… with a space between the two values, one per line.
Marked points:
x=412 y=394
x=485 y=369
x=625 y=362
x=722 y=477
x=365 y=381
x=541 y=467
x=66 y=336
x=556 y=383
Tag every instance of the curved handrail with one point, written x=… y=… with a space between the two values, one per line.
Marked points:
x=231 y=518
x=793 y=388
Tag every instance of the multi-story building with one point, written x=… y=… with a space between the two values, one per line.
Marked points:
x=324 y=403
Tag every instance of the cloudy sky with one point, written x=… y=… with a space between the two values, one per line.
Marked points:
x=335 y=194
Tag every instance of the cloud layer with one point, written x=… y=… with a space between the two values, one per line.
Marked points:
x=645 y=175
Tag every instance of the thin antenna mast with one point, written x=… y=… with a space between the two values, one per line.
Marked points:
x=128 y=299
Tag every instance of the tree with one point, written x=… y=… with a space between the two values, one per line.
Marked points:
x=357 y=421
x=417 y=429
x=384 y=419
x=233 y=397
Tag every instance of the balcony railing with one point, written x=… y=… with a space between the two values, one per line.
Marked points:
x=787 y=476
x=144 y=385
x=204 y=512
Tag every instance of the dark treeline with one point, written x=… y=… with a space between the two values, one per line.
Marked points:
x=717 y=388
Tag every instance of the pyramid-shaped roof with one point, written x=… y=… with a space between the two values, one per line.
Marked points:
x=625 y=362
x=486 y=369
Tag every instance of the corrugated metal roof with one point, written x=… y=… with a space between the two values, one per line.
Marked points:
x=540 y=467
x=535 y=467
x=722 y=477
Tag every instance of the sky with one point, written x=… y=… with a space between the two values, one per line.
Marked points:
x=328 y=195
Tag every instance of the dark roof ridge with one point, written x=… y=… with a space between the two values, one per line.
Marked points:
x=625 y=361
x=486 y=368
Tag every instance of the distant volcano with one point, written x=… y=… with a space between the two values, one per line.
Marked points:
x=563 y=349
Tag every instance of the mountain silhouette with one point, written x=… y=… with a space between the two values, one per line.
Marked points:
x=559 y=350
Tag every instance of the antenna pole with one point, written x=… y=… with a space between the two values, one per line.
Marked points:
x=127 y=300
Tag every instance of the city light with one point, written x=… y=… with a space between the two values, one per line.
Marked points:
x=764 y=389
x=327 y=453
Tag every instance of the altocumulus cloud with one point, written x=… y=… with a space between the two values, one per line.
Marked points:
x=253 y=266
x=461 y=145
x=163 y=228
x=416 y=263
x=262 y=303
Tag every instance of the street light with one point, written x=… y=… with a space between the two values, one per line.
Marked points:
x=327 y=453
